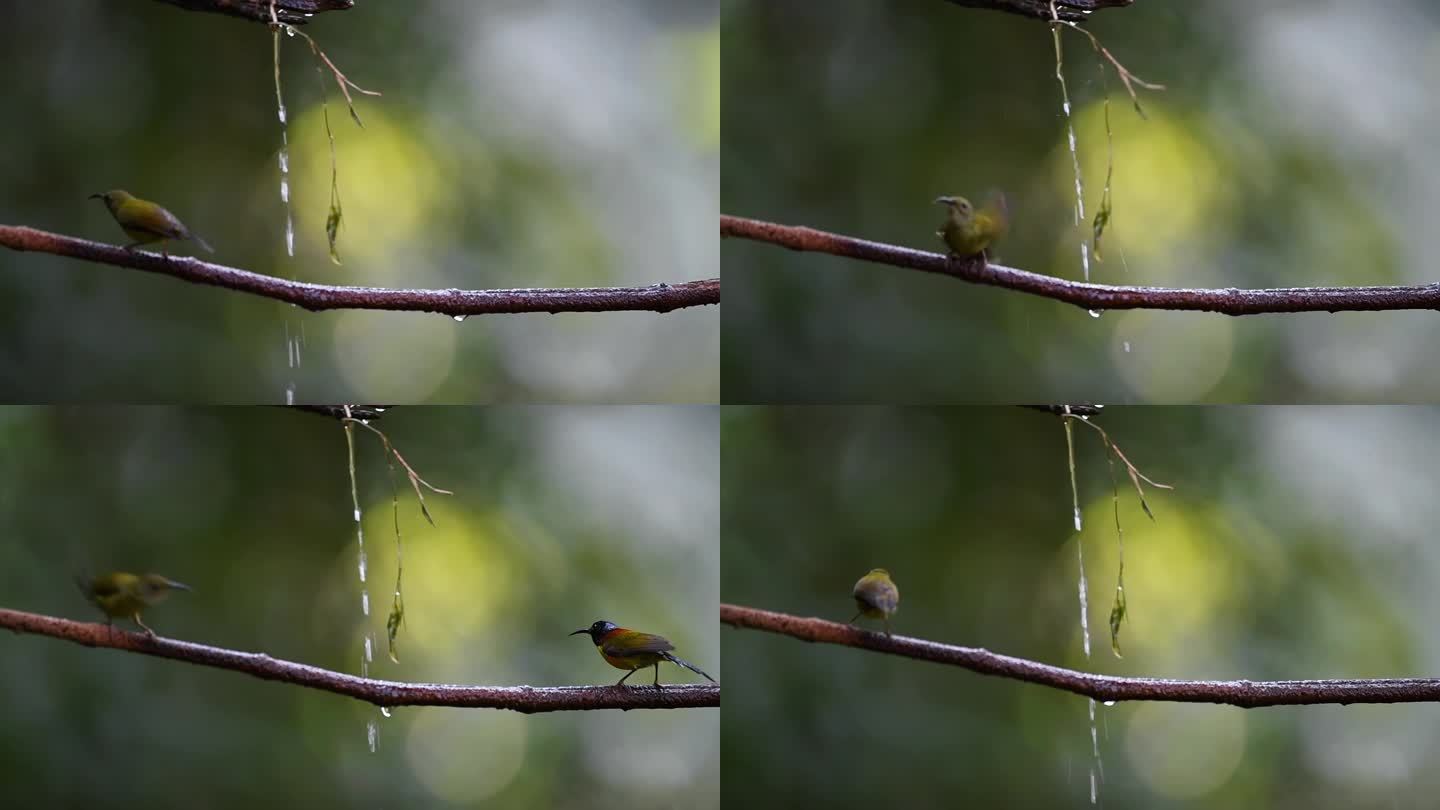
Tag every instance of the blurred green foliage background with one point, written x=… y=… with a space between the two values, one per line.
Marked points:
x=1298 y=543
x=561 y=516
x=538 y=144
x=1292 y=147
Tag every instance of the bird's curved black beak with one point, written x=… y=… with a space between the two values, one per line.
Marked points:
x=581 y=630
x=178 y=585
x=944 y=200
x=96 y=196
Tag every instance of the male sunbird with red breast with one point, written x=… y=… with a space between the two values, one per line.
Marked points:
x=634 y=650
x=123 y=596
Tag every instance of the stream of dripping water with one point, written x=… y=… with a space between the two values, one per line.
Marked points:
x=372 y=731
x=294 y=340
x=1067 y=108
x=1097 y=767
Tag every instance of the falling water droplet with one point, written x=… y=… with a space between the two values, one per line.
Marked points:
x=1127 y=347
x=1078 y=523
x=365 y=608
x=1094 y=313
x=372 y=732
x=1084 y=599
x=1074 y=152
x=1098 y=768
x=282 y=114
x=369 y=649
x=385 y=710
x=363 y=561
x=357 y=514
x=460 y=318
x=1109 y=703
x=290 y=394
x=289 y=235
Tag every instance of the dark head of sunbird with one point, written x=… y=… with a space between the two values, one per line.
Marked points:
x=632 y=650
x=123 y=596
x=876 y=596
x=144 y=221
x=967 y=231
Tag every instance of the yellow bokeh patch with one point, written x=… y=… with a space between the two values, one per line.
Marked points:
x=1166 y=186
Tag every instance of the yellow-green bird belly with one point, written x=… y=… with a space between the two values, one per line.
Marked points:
x=116 y=599
x=968 y=238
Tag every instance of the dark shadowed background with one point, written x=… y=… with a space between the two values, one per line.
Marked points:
x=1298 y=543
x=560 y=516
x=1293 y=146
x=542 y=144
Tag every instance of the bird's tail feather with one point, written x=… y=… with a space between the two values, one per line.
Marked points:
x=675 y=659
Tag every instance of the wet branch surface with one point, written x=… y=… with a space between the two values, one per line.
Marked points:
x=1072 y=10
x=1227 y=301
x=287 y=11
x=524 y=699
x=318 y=297
x=1242 y=693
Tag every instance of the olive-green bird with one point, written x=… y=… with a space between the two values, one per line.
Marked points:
x=123 y=596
x=969 y=232
x=876 y=596
x=144 y=221
x=634 y=650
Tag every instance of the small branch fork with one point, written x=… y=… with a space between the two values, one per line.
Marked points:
x=524 y=699
x=1227 y=301
x=1105 y=688
x=318 y=297
x=1067 y=10
x=294 y=12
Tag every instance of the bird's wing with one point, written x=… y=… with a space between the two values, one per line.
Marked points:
x=173 y=226
x=102 y=587
x=156 y=221
x=635 y=643
x=877 y=596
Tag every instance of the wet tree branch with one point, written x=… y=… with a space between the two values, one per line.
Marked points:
x=295 y=12
x=524 y=699
x=1072 y=10
x=317 y=297
x=1245 y=694
x=1228 y=301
